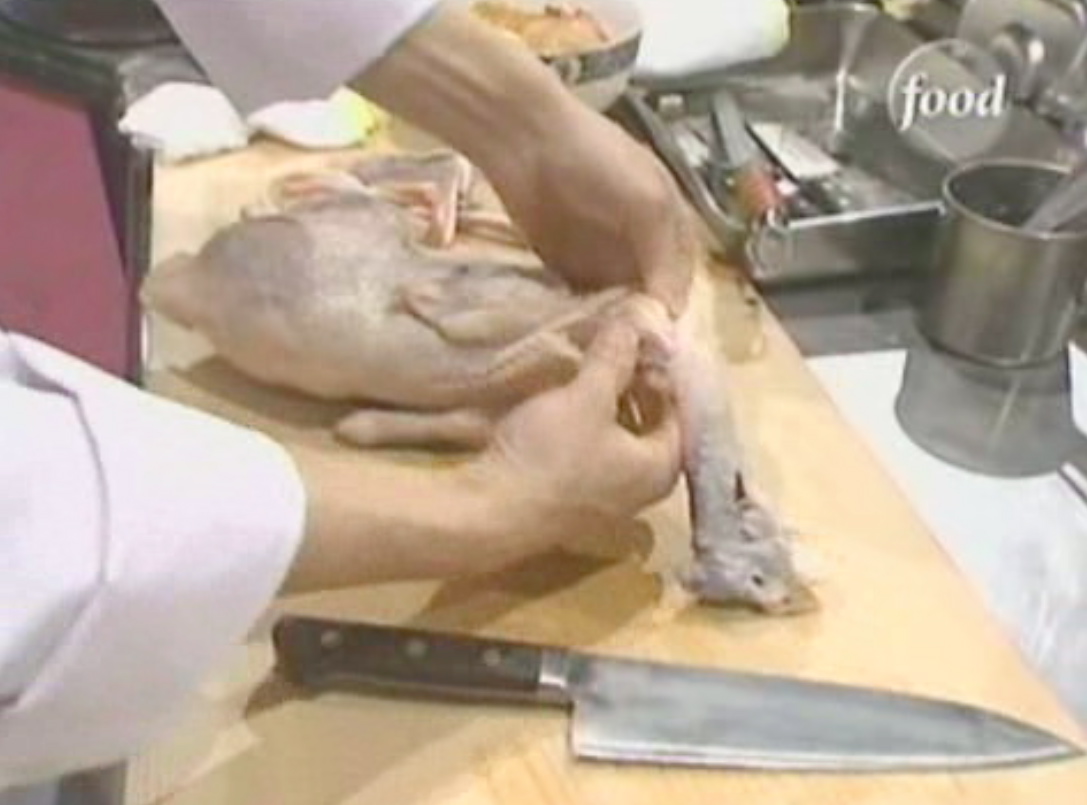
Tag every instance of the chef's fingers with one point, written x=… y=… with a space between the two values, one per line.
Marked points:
x=653 y=391
x=660 y=453
x=609 y=366
x=642 y=406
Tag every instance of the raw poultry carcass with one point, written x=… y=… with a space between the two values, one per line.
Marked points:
x=436 y=187
x=338 y=286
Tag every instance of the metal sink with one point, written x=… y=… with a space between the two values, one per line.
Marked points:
x=849 y=52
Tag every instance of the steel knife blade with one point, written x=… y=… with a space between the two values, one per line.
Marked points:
x=634 y=711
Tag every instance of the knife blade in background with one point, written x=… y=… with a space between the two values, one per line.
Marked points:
x=756 y=188
x=630 y=711
x=807 y=165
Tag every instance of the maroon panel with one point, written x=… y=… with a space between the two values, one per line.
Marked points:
x=61 y=273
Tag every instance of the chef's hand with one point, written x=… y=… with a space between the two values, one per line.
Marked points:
x=596 y=205
x=558 y=465
x=565 y=454
x=601 y=209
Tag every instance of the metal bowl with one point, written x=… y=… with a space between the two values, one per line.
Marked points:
x=597 y=75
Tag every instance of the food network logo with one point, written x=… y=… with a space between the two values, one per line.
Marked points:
x=931 y=100
x=950 y=98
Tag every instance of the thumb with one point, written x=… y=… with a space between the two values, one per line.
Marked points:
x=661 y=453
x=610 y=363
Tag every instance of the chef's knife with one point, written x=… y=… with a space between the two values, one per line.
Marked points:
x=756 y=189
x=632 y=711
x=808 y=166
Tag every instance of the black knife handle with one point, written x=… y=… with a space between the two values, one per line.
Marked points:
x=319 y=654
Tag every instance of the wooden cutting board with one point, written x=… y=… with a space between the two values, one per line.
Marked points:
x=895 y=612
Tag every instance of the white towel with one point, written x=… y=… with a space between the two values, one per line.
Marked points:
x=182 y=121
x=342 y=121
x=682 y=37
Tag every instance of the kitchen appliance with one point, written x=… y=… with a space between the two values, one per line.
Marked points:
x=877 y=213
x=997 y=292
x=634 y=711
x=74 y=193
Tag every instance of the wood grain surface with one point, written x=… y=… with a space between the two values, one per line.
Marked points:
x=894 y=611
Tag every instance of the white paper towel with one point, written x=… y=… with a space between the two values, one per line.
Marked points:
x=344 y=120
x=182 y=121
x=681 y=37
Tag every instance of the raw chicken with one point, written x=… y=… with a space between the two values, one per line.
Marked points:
x=435 y=187
x=742 y=552
x=331 y=290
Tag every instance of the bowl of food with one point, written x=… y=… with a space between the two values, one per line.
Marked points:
x=592 y=45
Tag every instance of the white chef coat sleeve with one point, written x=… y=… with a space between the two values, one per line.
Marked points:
x=262 y=52
x=139 y=541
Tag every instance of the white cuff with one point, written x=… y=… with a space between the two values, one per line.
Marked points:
x=200 y=520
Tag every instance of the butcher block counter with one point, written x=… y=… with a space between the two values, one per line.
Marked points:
x=894 y=612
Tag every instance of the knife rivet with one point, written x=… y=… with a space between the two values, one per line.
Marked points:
x=331 y=640
x=416 y=648
x=492 y=658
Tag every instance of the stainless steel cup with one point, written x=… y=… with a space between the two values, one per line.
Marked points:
x=1000 y=422
x=997 y=293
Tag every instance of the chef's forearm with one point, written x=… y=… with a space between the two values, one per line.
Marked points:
x=370 y=522
x=470 y=86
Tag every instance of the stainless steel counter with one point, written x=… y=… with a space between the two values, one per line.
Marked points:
x=994 y=480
